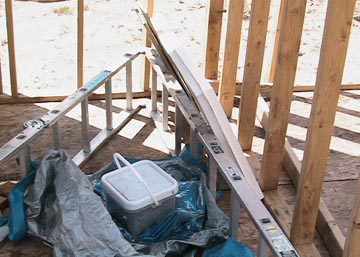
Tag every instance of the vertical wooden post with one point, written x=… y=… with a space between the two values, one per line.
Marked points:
x=80 y=44
x=154 y=80
x=352 y=246
x=1 y=82
x=11 y=47
x=213 y=38
x=252 y=73
x=109 y=106
x=328 y=84
x=231 y=55
x=150 y=11
x=281 y=95
x=276 y=43
x=179 y=130
x=234 y=214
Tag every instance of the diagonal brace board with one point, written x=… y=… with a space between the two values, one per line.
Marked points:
x=200 y=91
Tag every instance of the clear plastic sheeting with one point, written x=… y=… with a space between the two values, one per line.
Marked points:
x=63 y=210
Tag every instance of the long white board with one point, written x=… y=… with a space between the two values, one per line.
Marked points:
x=199 y=89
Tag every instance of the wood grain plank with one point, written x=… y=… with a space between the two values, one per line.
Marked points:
x=265 y=88
x=1 y=81
x=11 y=47
x=231 y=55
x=4 y=99
x=216 y=9
x=281 y=95
x=283 y=214
x=146 y=85
x=275 y=55
x=326 y=225
x=80 y=44
x=200 y=91
x=330 y=71
x=252 y=73
x=211 y=108
x=281 y=211
x=352 y=246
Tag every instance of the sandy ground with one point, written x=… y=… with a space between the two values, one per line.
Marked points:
x=46 y=40
x=46 y=58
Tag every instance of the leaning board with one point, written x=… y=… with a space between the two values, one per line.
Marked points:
x=200 y=91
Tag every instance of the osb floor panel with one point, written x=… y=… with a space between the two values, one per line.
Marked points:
x=140 y=139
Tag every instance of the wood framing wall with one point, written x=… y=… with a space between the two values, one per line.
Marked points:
x=310 y=210
x=330 y=71
x=15 y=97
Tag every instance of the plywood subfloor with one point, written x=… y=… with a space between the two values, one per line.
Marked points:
x=140 y=139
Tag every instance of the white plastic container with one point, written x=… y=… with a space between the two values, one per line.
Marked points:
x=140 y=194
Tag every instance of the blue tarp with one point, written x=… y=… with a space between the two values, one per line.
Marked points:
x=17 y=218
x=196 y=222
x=230 y=248
x=188 y=218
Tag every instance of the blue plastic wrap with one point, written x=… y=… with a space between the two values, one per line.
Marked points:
x=4 y=220
x=17 y=218
x=63 y=210
x=197 y=221
x=188 y=218
x=230 y=248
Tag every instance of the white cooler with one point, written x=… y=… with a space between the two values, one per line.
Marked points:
x=139 y=195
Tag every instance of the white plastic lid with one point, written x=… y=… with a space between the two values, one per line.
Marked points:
x=125 y=188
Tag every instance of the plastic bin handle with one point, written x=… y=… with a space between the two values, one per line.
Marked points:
x=118 y=157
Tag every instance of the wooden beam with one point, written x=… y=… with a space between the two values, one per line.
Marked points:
x=5 y=99
x=352 y=246
x=80 y=44
x=280 y=210
x=231 y=55
x=146 y=86
x=21 y=99
x=281 y=95
x=326 y=225
x=275 y=55
x=214 y=114
x=216 y=10
x=252 y=73
x=200 y=91
x=330 y=71
x=11 y=47
x=311 y=88
x=265 y=88
x=283 y=214
x=1 y=81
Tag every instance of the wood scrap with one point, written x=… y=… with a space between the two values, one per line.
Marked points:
x=6 y=188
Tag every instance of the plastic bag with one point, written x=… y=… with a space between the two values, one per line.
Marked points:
x=63 y=210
